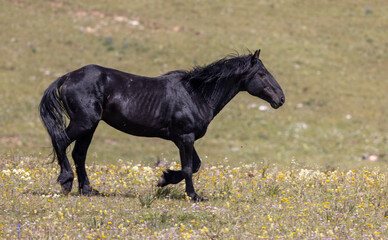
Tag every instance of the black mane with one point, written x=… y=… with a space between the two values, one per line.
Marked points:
x=225 y=68
x=207 y=80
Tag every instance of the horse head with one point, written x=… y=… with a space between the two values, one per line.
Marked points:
x=262 y=84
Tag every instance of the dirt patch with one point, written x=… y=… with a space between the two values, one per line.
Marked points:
x=13 y=141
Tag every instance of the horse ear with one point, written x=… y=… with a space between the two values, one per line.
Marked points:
x=255 y=56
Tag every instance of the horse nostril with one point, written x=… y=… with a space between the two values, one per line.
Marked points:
x=282 y=99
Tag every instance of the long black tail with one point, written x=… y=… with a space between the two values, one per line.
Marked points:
x=53 y=115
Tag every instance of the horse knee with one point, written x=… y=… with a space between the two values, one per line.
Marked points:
x=187 y=172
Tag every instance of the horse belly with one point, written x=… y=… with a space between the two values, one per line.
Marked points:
x=140 y=130
x=138 y=123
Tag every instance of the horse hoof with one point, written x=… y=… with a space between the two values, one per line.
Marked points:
x=89 y=191
x=94 y=192
x=65 y=191
x=196 y=198
x=162 y=182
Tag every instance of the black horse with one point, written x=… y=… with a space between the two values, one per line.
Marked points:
x=176 y=106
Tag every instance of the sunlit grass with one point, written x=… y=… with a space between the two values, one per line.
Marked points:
x=250 y=202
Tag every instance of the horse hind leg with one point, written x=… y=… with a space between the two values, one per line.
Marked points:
x=66 y=175
x=84 y=110
x=79 y=157
x=82 y=136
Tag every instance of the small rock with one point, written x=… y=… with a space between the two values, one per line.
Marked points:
x=252 y=105
x=263 y=108
x=134 y=22
x=370 y=157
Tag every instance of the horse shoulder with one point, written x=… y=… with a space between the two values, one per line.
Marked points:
x=189 y=113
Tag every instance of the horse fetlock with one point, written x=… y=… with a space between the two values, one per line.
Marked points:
x=66 y=181
x=162 y=181
x=65 y=178
x=195 y=197
x=170 y=177
x=88 y=190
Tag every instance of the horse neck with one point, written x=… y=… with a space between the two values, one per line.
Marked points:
x=220 y=94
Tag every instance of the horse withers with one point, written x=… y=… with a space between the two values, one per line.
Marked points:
x=177 y=106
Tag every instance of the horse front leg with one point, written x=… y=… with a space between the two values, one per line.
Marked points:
x=174 y=177
x=185 y=143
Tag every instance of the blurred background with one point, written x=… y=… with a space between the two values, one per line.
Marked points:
x=330 y=57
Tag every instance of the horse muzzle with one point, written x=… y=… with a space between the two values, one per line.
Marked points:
x=279 y=103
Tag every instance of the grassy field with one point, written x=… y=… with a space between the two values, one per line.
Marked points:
x=247 y=202
x=330 y=57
